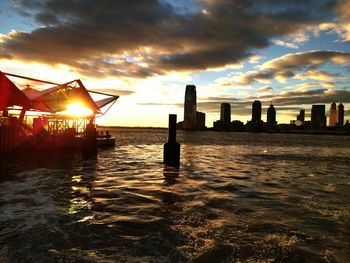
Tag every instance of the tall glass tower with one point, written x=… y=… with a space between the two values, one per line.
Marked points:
x=190 y=108
x=271 y=116
x=256 y=111
x=225 y=113
x=301 y=116
x=333 y=115
x=340 y=115
x=318 y=116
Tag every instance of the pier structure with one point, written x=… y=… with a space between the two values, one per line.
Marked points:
x=60 y=117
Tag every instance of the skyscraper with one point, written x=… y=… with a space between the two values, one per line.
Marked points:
x=340 y=111
x=332 y=115
x=190 y=108
x=318 y=116
x=225 y=113
x=301 y=116
x=256 y=111
x=271 y=116
x=200 y=120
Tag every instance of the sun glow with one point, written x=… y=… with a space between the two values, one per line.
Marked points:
x=77 y=109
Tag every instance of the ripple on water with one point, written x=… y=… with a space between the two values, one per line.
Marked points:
x=235 y=197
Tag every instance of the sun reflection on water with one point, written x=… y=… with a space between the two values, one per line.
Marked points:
x=244 y=201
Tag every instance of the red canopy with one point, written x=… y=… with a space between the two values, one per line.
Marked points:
x=10 y=95
x=51 y=100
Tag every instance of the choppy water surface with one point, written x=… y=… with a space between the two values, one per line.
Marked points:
x=237 y=197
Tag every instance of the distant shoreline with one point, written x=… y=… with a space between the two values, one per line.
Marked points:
x=308 y=132
x=132 y=127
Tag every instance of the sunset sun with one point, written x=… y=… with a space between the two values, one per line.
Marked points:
x=77 y=109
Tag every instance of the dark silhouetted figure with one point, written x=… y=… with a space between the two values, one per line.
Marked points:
x=190 y=108
x=256 y=111
x=225 y=113
x=271 y=116
x=340 y=115
x=171 y=154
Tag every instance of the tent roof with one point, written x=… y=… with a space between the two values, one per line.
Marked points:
x=31 y=93
x=57 y=98
x=10 y=95
x=104 y=102
x=53 y=100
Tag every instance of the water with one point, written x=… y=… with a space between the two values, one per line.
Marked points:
x=237 y=197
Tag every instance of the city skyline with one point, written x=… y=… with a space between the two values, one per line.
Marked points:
x=148 y=51
x=195 y=120
x=260 y=112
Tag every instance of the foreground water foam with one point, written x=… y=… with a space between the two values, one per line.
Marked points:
x=236 y=197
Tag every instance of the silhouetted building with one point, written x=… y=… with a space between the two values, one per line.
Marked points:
x=225 y=113
x=332 y=121
x=200 y=120
x=318 y=116
x=256 y=111
x=180 y=125
x=271 y=116
x=254 y=126
x=190 y=108
x=284 y=128
x=340 y=111
x=221 y=125
x=224 y=124
x=307 y=124
x=237 y=126
x=301 y=116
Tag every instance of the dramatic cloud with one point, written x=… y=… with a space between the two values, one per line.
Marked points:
x=307 y=85
x=301 y=65
x=149 y=37
x=342 y=24
x=265 y=89
x=303 y=59
x=316 y=75
x=343 y=9
x=295 y=39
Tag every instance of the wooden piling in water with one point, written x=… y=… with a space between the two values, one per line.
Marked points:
x=171 y=154
x=90 y=140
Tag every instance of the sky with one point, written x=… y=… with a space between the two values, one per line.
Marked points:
x=289 y=53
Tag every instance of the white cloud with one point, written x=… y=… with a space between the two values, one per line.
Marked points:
x=316 y=75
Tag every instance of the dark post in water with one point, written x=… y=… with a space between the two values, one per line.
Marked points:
x=171 y=155
x=90 y=141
